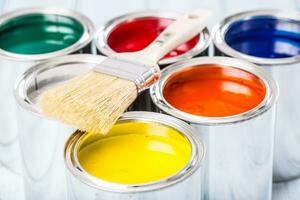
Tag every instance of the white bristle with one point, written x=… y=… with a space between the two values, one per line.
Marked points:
x=92 y=102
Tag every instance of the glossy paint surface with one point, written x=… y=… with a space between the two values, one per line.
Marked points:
x=214 y=90
x=39 y=33
x=265 y=37
x=135 y=153
x=136 y=34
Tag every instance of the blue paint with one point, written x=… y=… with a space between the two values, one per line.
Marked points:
x=265 y=37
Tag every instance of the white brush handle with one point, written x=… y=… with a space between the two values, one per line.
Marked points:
x=180 y=31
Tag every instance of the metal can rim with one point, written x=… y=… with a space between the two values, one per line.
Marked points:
x=270 y=97
x=198 y=152
x=220 y=30
x=102 y=33
x=20 y=86
x=85 y=39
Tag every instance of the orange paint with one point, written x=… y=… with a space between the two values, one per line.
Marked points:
x=214 y=90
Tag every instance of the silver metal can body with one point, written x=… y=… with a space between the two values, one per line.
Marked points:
x=239 y=158
x=284 y=70
x=239 y=148
x=143 y=101
x=187 y=189
x=185 y=184
x=9 y=143
x=13 y=64
x=287 y=133
x=42 y=140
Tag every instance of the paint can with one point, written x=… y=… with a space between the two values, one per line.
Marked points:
x=270 y=38
x=146 y=155
x=29 y=36
x=42 y=140
x=231 y=104
x=134 y=31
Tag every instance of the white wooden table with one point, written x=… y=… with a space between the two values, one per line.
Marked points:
x=11 y=185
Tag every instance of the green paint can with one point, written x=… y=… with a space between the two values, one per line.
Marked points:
x=39 y=33
x=42 y=33
x=29 y=36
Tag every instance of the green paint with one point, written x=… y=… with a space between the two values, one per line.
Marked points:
x=39 y=33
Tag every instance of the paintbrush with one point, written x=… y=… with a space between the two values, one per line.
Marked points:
x=94 y=101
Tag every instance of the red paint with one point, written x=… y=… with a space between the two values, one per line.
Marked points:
x=214 y=91
x=136 y=34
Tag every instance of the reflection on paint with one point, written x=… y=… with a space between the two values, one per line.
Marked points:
x=265 y=37
x=38 y=34
x=136 y=34
x=214 y=90
x=135 y=153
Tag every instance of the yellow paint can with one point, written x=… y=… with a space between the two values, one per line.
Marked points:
x=143 y=152
x=135 y=153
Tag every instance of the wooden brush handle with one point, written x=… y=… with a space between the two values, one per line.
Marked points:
x=180 y=31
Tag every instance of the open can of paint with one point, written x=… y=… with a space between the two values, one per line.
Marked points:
x=42 y=140
x=271 y=39
x=231 y=104
x=145 y=155
x=29 y=36
x=135 y=31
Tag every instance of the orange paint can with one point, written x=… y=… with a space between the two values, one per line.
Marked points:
x=231 y=104
x=214 y=90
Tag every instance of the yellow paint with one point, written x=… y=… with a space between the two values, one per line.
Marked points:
x=135 y=153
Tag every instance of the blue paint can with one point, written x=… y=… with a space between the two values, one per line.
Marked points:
x=271 y=39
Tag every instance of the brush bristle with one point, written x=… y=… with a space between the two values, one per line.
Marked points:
x=92 y=102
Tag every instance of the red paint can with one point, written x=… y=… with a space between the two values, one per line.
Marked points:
x=134 y=31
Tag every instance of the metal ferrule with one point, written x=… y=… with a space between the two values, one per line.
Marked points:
x=142 y=75
x=103 y=34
